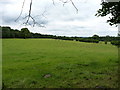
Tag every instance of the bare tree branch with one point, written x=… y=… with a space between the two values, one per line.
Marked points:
x=29 y=17
x=67 y=1
x=64 y=2
x=53 y=2
x=74 y=5
x=21 y=11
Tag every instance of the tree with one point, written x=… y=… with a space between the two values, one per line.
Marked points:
x=95 y=36
x=112 y=8
x=6 y=32
x=25 y=33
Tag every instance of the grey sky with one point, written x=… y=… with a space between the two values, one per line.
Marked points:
x=59 y=19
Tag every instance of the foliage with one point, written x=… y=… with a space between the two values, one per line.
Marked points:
x=25 y=33
x=7 y=32
x=95 y=36
x=88 y=40
x=105 y=42
x=112 y=8
x=117 y=43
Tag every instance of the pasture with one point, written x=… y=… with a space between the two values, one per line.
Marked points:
x=49 y=63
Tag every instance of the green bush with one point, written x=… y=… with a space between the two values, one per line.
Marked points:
x=117 y=43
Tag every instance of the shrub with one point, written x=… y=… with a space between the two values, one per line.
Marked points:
x=116 y=43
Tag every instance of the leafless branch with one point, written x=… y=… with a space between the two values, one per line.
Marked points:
x=64 y=2
x=29 y=17
x=42 y=15
x=53 y=2
x=74 y=5
x=67 y=1
x=21 y=11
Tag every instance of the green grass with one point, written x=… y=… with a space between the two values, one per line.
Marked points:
x=0 y=63
x=68 y=64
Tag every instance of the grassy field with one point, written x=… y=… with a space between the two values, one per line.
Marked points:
x=47 y=63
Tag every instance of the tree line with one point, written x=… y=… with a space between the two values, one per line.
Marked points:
x=7 y=32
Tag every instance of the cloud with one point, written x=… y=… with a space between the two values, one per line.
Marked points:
x=59 y=19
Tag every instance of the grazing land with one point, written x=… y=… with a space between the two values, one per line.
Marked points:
x=49 y=63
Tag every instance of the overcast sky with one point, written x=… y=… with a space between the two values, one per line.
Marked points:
x=58 y=19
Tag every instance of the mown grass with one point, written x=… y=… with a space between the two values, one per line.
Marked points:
x=48 y=63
